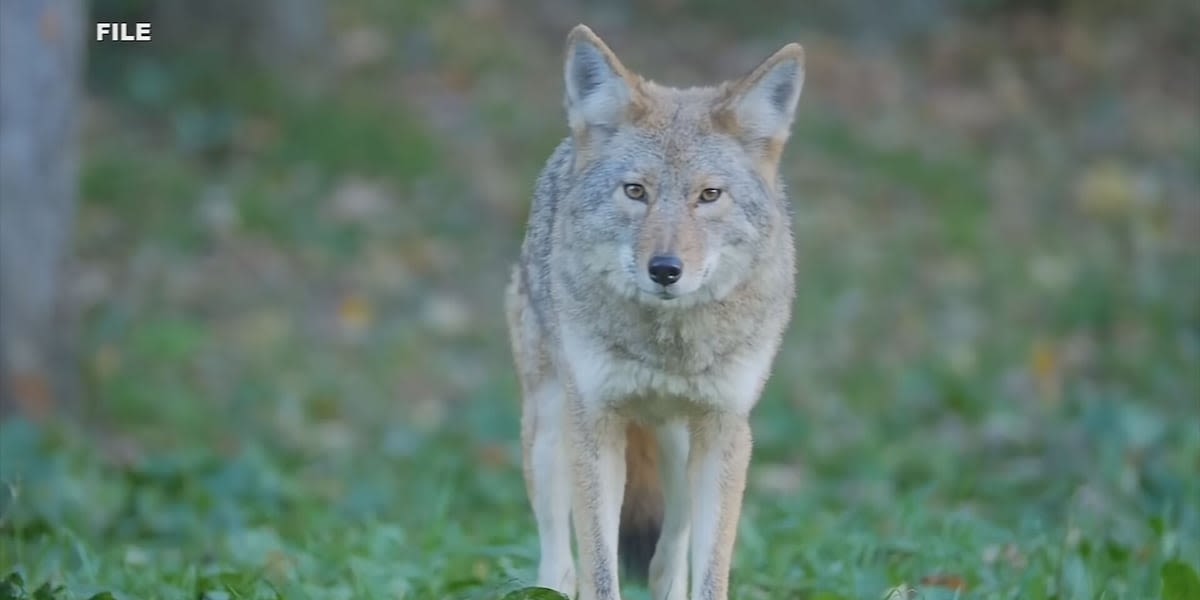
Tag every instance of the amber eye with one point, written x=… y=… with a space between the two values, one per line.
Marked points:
x=710 y=195
x=635 y=191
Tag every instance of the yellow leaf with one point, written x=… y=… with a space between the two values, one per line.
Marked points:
x=1107 y=190
x=1044 y=364
x=354 y=314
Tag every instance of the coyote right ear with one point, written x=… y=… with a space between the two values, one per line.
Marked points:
x=599 y=88
x=761 y=106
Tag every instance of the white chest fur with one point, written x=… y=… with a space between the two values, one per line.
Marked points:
x=605 y=380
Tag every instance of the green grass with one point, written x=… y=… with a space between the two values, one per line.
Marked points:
x=443 y=516
x=989 y=389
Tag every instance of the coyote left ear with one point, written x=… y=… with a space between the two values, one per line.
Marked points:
x=762 y=105
x=600 y=90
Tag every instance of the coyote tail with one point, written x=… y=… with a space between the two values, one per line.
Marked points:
x=642 y=508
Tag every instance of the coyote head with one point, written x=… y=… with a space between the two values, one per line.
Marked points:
x=674 y=197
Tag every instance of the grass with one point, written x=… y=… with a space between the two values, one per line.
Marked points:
x=299 y=382
x=444 y=517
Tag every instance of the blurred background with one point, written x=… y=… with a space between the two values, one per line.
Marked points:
x=253 y=269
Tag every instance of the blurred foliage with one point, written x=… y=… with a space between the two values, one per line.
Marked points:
x=300 y=377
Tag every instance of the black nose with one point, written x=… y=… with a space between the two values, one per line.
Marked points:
x=665 y=270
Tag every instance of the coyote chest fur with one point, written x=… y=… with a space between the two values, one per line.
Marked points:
x=655 y=282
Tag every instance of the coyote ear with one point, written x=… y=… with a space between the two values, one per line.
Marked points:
x=763 y=104
x=599 y=88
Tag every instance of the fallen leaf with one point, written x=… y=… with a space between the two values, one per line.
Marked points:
x=951 y=582
x=493 y=455
x=354 y=314
x=1109 y=190
x=1044 y=365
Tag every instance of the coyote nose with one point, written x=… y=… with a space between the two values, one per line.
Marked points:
x=665 y=270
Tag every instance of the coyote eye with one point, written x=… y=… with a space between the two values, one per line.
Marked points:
x=635 y=191
x=710 y=195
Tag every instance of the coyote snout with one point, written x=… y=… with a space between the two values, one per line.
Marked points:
x=669 y=258
x=655 y=282
x=665 y=270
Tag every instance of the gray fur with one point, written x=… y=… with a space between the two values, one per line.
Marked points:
x=601 y=346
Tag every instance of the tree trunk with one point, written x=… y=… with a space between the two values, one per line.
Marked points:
x=41 y=59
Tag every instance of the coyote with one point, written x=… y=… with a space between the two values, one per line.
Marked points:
x=654 y=285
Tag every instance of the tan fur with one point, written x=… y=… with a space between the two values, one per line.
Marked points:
x=637 y=389
x=642 y=507
x=670 y=231
x=643 y=493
